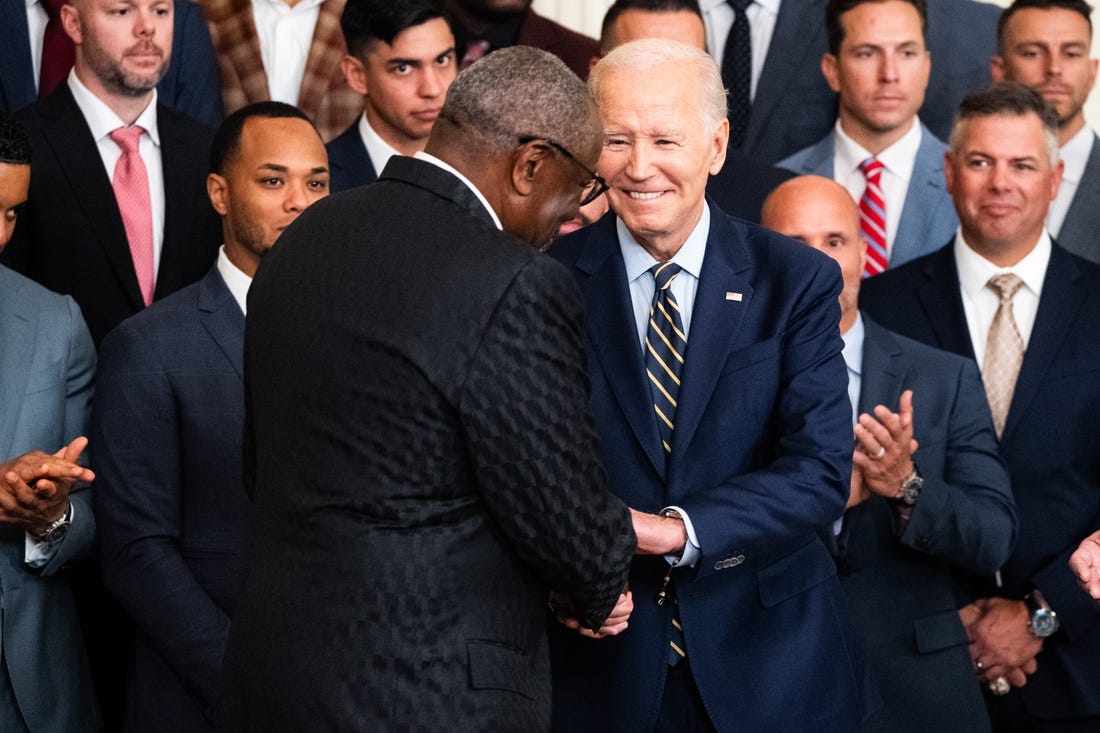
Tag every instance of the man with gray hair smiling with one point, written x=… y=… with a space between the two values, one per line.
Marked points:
x=418 y=446
x=720 y=397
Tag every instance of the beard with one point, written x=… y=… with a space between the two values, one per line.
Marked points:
x=115 y=77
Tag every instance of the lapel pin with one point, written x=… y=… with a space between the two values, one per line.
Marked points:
x=733 y=296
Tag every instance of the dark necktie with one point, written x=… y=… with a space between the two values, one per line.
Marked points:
x=737 y=71
x=664 y=350
x=57 y=50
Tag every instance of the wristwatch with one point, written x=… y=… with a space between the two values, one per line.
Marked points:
x=1043 y=620
x=910 y=488
x=56 y=530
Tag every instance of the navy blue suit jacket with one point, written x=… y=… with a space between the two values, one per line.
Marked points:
x=900 y=586
x=191 y=85
x=1082 y=222
x=169 y=496
x=1048 y=444
x=349 y=163
x=742 y=185
x=760 y=461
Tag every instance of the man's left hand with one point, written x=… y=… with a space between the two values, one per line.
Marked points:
x=1001 y=639
x=34 y=488
x=1085 y=562
x=614 y=624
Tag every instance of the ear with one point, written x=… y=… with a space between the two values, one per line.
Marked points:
x=720 y=144
x=862 y=253
x=70 y=22
x=217 y=188
x=528 y=164
x=355 y=71
x=1092 y=73
x=1056 y=178
x=949 y=172
x=997 y=68
x=831 y=72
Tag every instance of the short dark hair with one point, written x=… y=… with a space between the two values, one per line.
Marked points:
x=15 y=146
x=1007 y=98
x=1077 y=6
x=227 y=140
x=834 y=29
x=365 y=22
x=650 y=6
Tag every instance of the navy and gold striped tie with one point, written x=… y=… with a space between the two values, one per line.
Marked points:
x=665 y=343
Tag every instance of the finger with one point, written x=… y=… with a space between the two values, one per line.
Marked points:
x=997 y=670
x=889 y=419
x=1016 y=677
x=1030 y=666
x=875 y=429
x=905 y=408
x=72 y=451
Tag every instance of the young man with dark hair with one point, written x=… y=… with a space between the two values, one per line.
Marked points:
x=401 y=58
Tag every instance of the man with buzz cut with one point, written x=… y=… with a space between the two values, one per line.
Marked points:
x=891 y=164
x=401 y=58
x=1045 y=45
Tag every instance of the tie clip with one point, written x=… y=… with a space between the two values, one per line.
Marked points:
x=733 y=296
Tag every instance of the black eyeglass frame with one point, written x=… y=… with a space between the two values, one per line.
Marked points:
x=601 y=186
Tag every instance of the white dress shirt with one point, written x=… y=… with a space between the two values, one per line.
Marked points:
x=718 y=16
x=980 y=303
x=235 y=279
x=36 y=28
x=378 y=149
x=1076 y=154
x=897 y=161
x=285 y=35
x=101 y=121
x=638 y=262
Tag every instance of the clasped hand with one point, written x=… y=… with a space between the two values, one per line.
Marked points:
x=34 y=488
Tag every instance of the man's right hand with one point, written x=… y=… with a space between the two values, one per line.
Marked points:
x=34 y=488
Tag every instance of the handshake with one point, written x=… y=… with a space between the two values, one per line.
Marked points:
x=656 y=535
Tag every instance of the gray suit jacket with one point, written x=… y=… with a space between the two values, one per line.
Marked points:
x=1079 y=230
x=928 y=217
x=900 y=586
x=46 y=368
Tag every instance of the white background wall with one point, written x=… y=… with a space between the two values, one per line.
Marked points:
x=586 y=16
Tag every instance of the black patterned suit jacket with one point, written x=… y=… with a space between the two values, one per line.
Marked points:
x=423 y=469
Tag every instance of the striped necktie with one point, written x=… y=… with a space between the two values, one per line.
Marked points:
x=665 y=343
x=872 y=217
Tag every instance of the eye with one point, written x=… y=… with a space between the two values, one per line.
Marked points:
x=273 y=182
x=445 y=59
x=318 y=184
x=615 y=144
x=402 y=68
x=977 y=163
x=835 y=242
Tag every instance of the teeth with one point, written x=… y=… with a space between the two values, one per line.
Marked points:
x=644 y=195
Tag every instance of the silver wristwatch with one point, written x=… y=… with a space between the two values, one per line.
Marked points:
x=56 y=531
x=1043 y=621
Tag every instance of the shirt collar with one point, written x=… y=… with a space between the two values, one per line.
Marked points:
x=975 y=270
x=689 y=257
x=102 y=120
x=853 y=346
x=1076 y=153
x=235 y=279
x=899 y=158
x=772 y=6
x=302 y=5
x=378 y=149
x=427 y=158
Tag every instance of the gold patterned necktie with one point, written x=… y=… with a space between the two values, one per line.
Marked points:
x=1004 y=350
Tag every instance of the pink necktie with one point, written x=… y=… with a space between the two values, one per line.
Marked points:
x=131 y=184
x=872 y=217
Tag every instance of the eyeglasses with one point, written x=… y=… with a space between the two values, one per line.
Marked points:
x=594 y=188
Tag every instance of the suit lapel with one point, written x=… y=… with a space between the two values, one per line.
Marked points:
x=17 y=81
x=241 y=46
x=613 y=335
x=819 y=160
x=795 y=23
x=182 y=205
x=67 y=134
x=716 y=318
x=941 y=300
x=222 y=318
x=17 y=330
x=882 y=370
x=1061 y=299
x=923 y=200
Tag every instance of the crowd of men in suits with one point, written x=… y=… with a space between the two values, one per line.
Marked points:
x=766 y=357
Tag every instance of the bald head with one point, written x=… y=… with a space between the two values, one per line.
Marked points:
x=821 y=213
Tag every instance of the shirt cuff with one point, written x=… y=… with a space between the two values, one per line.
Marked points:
x=692 y=551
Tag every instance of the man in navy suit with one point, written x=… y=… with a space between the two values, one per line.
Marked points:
x=732 y=451
x=1045 y=44
x=47 y=363
x=401 y=58
x=191 y=85
x=878 y=64
x=912 y=515
x=1002 y=292
x=168 y=422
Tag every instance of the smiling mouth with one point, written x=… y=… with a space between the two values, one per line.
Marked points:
x=645 y=195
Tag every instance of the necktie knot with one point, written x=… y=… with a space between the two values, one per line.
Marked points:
x=664 y=273
x=1005 y=286
x=127 y=138
x=740 y=5
x=871 y=168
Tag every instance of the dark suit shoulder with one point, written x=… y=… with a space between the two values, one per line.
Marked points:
x=743 y=183
x=917 y=354
x=162 y=317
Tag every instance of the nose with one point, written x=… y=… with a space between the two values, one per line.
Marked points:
x=888 y=69
x=143 y=22
x=999 y=176
x=639 y=161
x=297 y=198
x=431 y=83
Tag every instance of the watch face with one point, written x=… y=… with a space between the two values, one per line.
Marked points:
x=1043 y=623
x=912 y=491
x=57 y=534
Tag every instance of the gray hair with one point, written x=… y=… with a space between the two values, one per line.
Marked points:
x=638 y=57
x=517 y=92
x=1006 y=98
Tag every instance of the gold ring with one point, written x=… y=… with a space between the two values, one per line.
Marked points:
x=999 y=686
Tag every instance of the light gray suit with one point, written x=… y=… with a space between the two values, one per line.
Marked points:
x=1080 y=232
x=47 y=363
x=928 y=217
